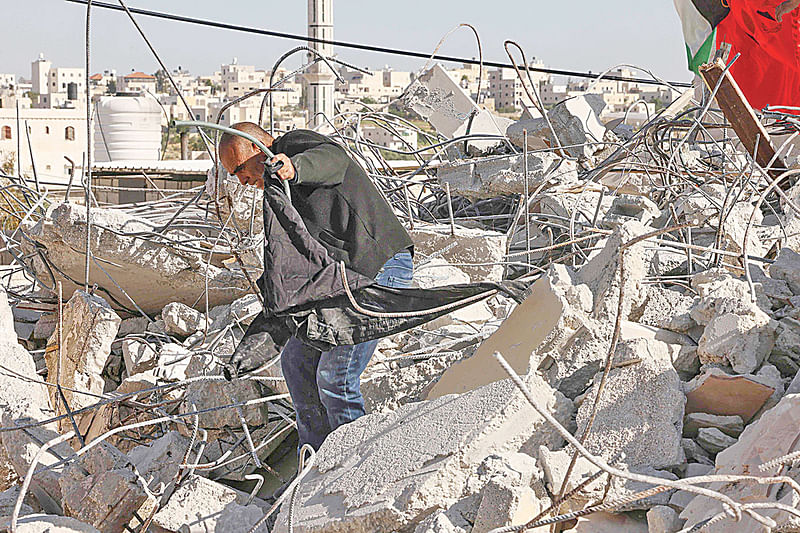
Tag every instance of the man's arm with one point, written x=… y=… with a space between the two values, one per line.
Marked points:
x=322 y=165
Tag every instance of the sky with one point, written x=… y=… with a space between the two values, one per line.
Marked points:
x=581 y=35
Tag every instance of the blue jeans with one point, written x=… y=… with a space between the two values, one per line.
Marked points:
x=326 y=386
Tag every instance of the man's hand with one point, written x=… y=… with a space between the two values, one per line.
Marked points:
x=287 y=172
x=786 y=7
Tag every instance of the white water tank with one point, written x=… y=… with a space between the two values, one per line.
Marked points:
x=127 y=127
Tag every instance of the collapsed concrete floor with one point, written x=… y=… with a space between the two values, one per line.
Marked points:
x=656 y=355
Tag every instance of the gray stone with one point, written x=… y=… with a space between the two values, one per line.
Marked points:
x=623 y=488
x=713 y=440
x=787 y=342
x=695 y=453
x=152 y=273
x=647 y=396
x=666 y=308
x=157 y=326
x=202 y=505
x=8 y=499
x=794 y=385
x=787 y=268
x=180 y=319
x=89 y=328
x=40 y=523
x=696 y=470
x=730 y=425
x=663 y=519
x=387 y=472
x=102 y=489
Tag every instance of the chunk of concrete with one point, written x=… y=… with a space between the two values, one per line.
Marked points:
x=89 y=327
x=101 y=488
x=160 y=460
x=442 y=522
x=713 y=440
x=503 y=505
x=787 y=268
x=730 y=425
x=499 y=175
x=139 y=356
x=138 y=265
x=24 y=401
x=8 y=499
x=182 y=320
x=648 y=397
x=773 y=435
x=133 y=326
x=202 y=505
x=437 y=272
x=663 y=519
x=471 y=250
x=218 y=393
x=387 y=472
x=41 y=523
x=717 y=393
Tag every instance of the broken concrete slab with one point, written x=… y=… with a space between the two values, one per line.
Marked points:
x=136 y=264
x=627 y=207
x=202 y=505
x=471 y=250
x=647 y=396
x=437 y=272
x=773 y=435
x=387 y=472
x=182 y=320
x=499 y=175
x=730 y=425
x=554 y=305
x=8 y=499
x=718 y=393
x=695 y=454
x=133 y=326
x=102 y=489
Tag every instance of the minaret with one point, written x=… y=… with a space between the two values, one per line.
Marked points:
x=319 y=79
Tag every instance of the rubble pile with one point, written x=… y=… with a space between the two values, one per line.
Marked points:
x=655 y=356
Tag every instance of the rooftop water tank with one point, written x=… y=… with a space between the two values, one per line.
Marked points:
x=127 y=127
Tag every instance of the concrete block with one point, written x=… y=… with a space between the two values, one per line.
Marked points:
x=730 y=425
x=663 y=519
x=139 y=356
x=713 y=440
x=647 y=396
x=470 y=251
x=182 y=320
x=40 y=523
x=89 y=328
x=387 y=472
x=505 y=505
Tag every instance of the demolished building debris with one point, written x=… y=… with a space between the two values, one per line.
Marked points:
x=652 y=378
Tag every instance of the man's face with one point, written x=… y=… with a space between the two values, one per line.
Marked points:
x=246 y=162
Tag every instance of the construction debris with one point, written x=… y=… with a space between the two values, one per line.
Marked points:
x=656 y=345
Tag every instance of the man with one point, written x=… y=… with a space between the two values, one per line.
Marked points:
x=344 y=211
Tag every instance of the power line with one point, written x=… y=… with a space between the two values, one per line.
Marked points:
x=368 y=47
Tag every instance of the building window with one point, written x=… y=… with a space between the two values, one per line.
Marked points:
x=6 y=133
x=69 y=133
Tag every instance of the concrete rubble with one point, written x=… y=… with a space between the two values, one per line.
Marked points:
x=660 y=327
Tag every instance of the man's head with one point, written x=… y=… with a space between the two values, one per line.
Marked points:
x=241 y=157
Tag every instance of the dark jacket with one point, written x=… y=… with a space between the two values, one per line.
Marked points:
x=323 y=303
x=339 y=205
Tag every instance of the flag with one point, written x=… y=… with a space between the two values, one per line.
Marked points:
x=700 y=19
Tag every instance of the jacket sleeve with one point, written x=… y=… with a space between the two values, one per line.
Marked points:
x=322 y=165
